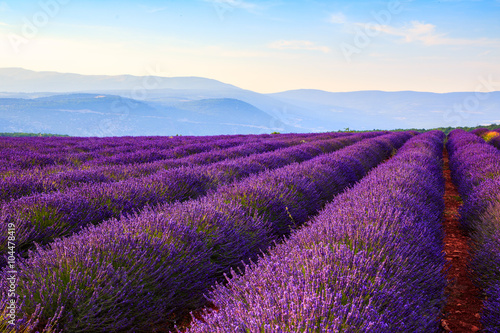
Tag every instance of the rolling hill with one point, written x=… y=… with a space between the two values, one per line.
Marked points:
x=110 y=115
x=132 y=105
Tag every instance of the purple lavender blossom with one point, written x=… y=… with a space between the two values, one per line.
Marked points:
x=371 y=261
x=475 y=167
x=128 y=274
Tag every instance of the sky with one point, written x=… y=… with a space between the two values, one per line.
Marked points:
x=264 y=46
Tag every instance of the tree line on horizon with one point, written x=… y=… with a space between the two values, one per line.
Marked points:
x=446 y=130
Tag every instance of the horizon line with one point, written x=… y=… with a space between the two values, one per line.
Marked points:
x=230 y=84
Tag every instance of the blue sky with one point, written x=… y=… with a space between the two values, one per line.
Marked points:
x=265 y=46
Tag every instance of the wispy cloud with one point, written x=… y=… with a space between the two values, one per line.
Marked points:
x=338 y=18
x=485 y=53
x=461 y=0
x=412 y=32
x=4 y=25
x=223 y=7
x=415 y=31
x=426 y=34
x=220 y=51
x=235 y=4
x=4 y=6
x=152 y=10
x=298 y=45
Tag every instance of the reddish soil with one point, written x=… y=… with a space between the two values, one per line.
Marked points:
x=182 y=319
x=462 y=312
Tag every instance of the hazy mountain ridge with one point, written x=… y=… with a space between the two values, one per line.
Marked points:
x=401 y=109
x=21 y=80
x=121 y=105
x=109 y=115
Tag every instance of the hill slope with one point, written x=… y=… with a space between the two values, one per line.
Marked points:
x=401 y=109
x=199 y=106
x=22 y=80
x=109 y=115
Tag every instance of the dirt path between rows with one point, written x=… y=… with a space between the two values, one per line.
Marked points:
x=462 y=312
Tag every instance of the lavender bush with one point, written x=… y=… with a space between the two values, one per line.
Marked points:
x=60 y=178
x=132 y=273
x=475 y=167
x=41 y=218
x=371 y=261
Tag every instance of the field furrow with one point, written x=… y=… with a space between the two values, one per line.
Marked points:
x=475 y=169
x=371 y=261
x=139 y=271
x=60 y=180
x=44 y=217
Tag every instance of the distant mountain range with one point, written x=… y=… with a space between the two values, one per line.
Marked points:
x=110 y=115
x=22 y=80
x=81 y=105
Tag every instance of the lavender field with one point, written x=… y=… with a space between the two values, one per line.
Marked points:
x=323 y=232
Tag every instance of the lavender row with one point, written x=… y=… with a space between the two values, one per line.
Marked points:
x=130 y=274
x=492 y=137
x=31 y=152
x=40 y=182
x=371 y=261
x=143 y=156
x=47 y=145
x=480 y=131
x=495 y=142
x=75 y=144
x=475 y=167
x=43 y=217
x=19 y=159
x=138 y=149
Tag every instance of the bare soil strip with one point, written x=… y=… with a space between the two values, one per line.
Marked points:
x=462 y=312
